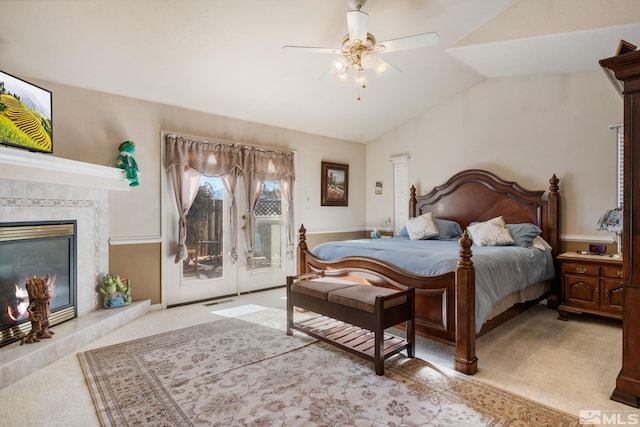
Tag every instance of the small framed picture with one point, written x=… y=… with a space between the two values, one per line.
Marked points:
x=378 y=187
x=334 y=184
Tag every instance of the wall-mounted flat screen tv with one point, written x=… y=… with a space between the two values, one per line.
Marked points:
x=25 y=115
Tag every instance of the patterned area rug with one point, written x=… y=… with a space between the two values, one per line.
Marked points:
x=233 y=372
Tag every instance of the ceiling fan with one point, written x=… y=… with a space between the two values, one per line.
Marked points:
x=359 y=49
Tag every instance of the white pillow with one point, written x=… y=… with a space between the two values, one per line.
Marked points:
x=491 y=233
x=541 y=244
x=422 y=227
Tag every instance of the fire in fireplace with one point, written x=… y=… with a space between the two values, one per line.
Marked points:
x=35 y=249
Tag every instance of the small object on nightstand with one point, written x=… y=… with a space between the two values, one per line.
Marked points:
x=597 y=249
x=582 y=253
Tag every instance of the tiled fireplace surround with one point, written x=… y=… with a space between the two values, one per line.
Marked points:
x=38 y=187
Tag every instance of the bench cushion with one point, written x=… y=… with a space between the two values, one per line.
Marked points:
x=363 y=297
x=320 y=288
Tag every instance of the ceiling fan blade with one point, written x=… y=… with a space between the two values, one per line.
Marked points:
x=309 y=49
x=410 y=42
x=386 y=68
x=357 y=23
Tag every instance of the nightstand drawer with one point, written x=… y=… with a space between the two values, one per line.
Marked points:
x=612 y=271
x=575 y=268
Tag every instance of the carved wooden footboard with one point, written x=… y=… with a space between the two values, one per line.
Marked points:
x=436 y=297
x=445 y=304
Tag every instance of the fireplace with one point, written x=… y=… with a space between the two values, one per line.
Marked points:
x=36 y=249
x=44 y=189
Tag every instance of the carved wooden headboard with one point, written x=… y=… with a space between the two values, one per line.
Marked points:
x=479 y=195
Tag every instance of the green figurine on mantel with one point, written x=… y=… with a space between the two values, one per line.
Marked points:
x=126 y=161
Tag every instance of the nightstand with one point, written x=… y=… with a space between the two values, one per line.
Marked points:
x=591 y=284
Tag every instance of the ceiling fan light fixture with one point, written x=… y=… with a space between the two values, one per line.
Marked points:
x=340 y=65
x=368 y=60
x=380 y=67
x=342 y=77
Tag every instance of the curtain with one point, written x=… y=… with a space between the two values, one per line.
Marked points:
x=260 y=166
x=186 y=182
x=187 y=161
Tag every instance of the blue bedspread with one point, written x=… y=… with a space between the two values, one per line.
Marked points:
x=500 y=270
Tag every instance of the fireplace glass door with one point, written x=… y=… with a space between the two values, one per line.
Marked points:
x=28 y=250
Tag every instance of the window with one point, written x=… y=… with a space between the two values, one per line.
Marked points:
x=267 y=250
x=204 y=232
x=401 y=192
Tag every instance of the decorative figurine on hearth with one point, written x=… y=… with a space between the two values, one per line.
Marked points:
x=40 y=291
x=116 y=291
x=126 y=161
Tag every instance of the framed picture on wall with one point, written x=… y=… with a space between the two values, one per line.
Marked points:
x=334 y=184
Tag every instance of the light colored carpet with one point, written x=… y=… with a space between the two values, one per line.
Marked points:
x=237 y=372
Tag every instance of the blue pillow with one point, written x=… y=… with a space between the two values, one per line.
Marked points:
x=447 y=230
x=523 y=234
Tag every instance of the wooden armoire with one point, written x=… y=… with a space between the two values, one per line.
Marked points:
x=625 y=72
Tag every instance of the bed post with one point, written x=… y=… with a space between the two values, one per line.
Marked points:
x=465 y=359
x=554 y=239
x=302 y=247
x=413 y=201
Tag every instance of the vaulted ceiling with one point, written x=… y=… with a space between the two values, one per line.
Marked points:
x=225 y=57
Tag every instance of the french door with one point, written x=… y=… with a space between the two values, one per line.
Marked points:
x=209 y=271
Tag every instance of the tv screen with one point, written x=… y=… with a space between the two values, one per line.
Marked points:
x=25 y=115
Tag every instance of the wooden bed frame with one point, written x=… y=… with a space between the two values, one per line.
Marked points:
x=445 y=304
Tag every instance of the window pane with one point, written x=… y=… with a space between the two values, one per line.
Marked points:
x=267 y=251
x=204 y=232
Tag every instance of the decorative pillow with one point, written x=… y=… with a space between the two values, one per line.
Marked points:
x=523 y=234
x=491 y=233
x=422 y=227
x=447 y=230
x=540 y=243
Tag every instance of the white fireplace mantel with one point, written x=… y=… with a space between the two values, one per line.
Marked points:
x=22 y=165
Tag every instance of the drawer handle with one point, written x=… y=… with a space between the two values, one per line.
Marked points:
x=620 y=274
x=581 y=270
x=606 y=293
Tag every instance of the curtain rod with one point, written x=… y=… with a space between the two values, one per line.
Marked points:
x=225 y=141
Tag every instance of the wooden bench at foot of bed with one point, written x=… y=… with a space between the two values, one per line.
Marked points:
x=352 y=316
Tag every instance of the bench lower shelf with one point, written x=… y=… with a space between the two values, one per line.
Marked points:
x=353 y=339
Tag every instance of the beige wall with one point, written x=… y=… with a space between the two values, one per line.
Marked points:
x=89 y=126
x=140 y=264
x=524 y=129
